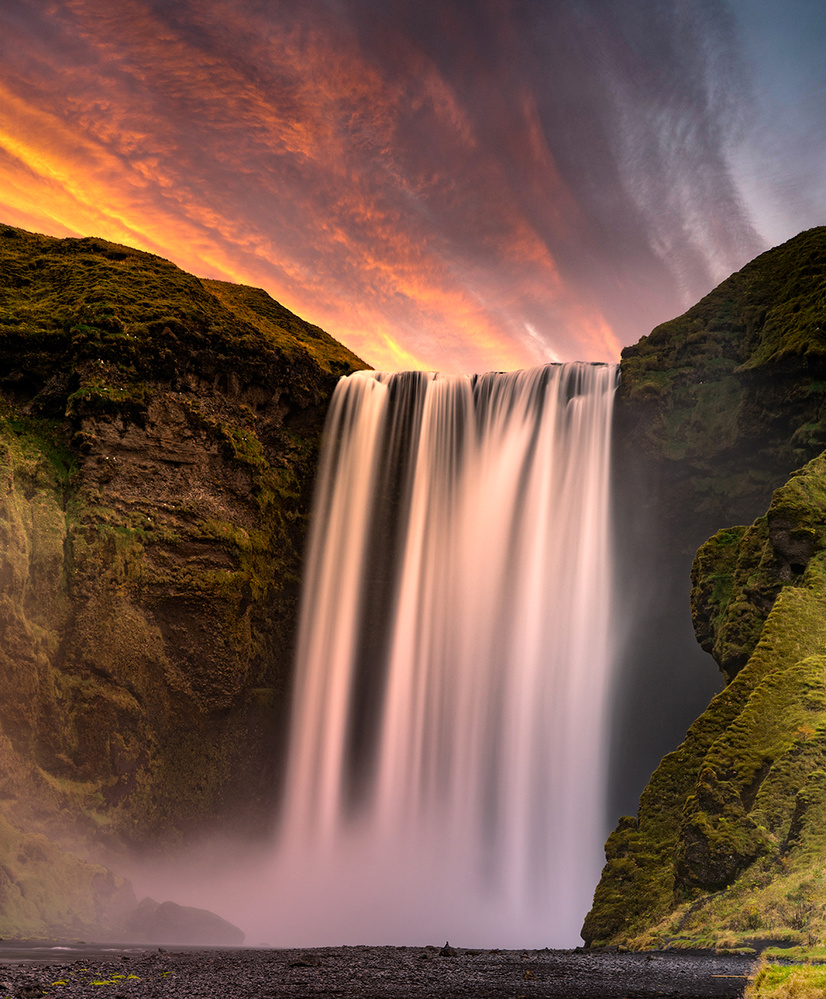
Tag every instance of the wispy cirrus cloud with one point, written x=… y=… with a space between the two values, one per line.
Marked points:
x=462 y=186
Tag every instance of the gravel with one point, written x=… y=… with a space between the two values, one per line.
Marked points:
x=369 y=973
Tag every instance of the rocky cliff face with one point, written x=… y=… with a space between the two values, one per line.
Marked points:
x=727 y=846
x=730 y=397
x=717 y=406
x=158 y=440
x=715 y=410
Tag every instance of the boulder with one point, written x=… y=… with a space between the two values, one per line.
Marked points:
x=170 y=923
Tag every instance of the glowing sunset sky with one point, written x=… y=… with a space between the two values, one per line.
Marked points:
x=461 y=184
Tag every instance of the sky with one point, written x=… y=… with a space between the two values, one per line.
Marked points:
x=461 y=185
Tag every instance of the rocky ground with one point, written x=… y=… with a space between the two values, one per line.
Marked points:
x=369 y=972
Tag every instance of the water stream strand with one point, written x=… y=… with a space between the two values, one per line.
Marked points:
x=448 y=736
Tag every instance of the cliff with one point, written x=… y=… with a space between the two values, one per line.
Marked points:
x=158 y=442
x=729 y=398
x=726 y=845
x=714 y=411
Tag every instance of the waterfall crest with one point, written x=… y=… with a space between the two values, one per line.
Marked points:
x=446 y=764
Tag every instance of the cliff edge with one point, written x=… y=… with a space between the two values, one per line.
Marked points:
x=158 y=443
x=726 y=848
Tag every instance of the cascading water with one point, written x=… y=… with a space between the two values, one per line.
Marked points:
x=448 y=736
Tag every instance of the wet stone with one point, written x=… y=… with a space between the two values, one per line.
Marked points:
x=374 y=972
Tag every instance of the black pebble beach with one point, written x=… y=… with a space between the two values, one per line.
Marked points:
x=372 y=972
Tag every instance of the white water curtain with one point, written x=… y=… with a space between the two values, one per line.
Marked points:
x=447 y=758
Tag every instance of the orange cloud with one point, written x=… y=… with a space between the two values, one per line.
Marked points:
x=278 y=155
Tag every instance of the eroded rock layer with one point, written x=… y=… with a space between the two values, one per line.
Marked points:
x=158 y=442
x=727 y=845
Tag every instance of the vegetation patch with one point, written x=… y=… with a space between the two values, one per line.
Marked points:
x=728 y=845
x=787 y=981
x=158 y=442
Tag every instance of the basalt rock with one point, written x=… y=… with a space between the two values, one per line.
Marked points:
x=158 y=443
x=170 y=923
x=727 y=844
x=715 y=411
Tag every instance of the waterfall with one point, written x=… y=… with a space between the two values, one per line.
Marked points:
x=447 y=753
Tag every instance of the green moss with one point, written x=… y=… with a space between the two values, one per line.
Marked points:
x=726 y=400
x=97 y=397
x=158 y=442
x=738 y=573
x=46 y=892
x=245 y=446
x=770 y=311
x=731 y=830
x=35 y=451
x=284 y=327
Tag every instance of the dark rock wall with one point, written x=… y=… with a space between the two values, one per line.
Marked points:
x=737 y=814
x=715 y=410
x=158 y=443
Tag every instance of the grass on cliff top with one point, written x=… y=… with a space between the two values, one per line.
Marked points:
x=255 y=306
x=787 y=981
x=733 y=388
x=772 y=310
x=64 y=300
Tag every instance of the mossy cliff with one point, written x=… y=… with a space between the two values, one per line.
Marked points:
x=729 y=398
x=714 y=411
x=729 y=841
x=47 y=891
x=717 y=407
x=158 y=442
